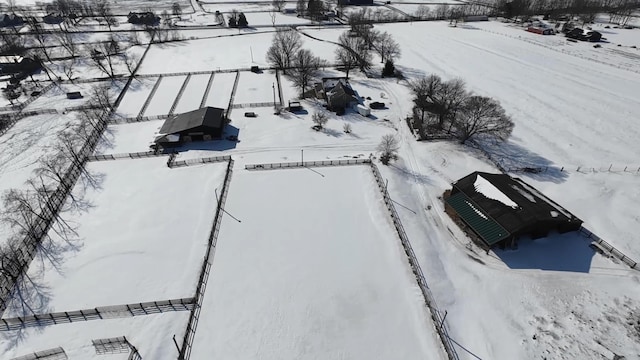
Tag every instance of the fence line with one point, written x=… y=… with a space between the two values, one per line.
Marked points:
x=254 y=105
x=279 y=82
x=205 y=95
x=127 y=120
x=288 y=165
x=98 y=313
x=179 y=96
x=436 y=316
x=136 y=155
x=608 y=248
x=151 y=94
x=187 y=343
x=214 y=159
x=49 y=354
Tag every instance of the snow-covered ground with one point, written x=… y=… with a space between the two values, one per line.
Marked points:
x=136 y=95
x=240 y=49
x=313 y=271
x=165 y=95
x=254 y=87
x=193 y=93
x=151 y=335
x=56 y=97
x=141 y=238
x=220 y=92
x=128 y=137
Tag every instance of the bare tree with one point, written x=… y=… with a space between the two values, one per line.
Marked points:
x=320 y=119
x=40 y=36
x=441 y=11
x=356 y=51
x=103 y=58
x=176 y=9
x=68 y=68
x=68 y=43
x=482 y=115
x=315 y=9
x=423 y=12
x=301 y=7
x=424 y=92
x=305 y=67
x=130 y=62
x=449 y=101
x=387 y=47
x=104 y=12
x=284 y=46
x=278 y=4
x=388 y=148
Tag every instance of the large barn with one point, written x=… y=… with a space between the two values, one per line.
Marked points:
x=202 y=124
x=499 y=209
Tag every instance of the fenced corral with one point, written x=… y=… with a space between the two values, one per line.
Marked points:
x=27 y=249
x=49 y=354
x=322 y=163
x=117 y=345
x=190 y=162
x=98 y=313
x=608 y=248
x=135 y=155
x=187 y=343
x=233 y=94
x=436 y=315
x=253 y=105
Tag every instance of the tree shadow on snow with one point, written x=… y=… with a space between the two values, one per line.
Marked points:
x=514 y=158
x=556 y=252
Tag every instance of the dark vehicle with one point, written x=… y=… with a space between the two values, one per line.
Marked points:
x=250 y=114
x=316 y=127
x=232 y=138
x=377 y=105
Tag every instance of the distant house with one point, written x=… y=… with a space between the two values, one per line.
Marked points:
x=337 y=92
x=53 y=19
x=355 y=2
x=8 y=20
x=143 y=18
x=202 y=124
x=13 y=64
x=499 y=209
x=473 y=18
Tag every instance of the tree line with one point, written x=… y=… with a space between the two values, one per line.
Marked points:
x=619 y=11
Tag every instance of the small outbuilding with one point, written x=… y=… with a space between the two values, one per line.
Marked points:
x=74 y=95
x=499 y=209
x=198 y=125
x=14 y=64
x=337 y=92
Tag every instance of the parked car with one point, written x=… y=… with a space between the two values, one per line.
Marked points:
x=316 y=127
x=250 y=114
x=377 y=105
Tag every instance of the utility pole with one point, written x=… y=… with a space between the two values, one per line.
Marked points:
x=273 y=86
x=302 y=153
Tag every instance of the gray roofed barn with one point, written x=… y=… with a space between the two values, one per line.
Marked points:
x=202 y=124
x=499 y=209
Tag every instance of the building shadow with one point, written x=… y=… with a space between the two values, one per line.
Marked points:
x=556 y=252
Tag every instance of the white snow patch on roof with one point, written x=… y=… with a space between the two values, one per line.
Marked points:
x=480 y=213
x=524 y=193
x=554 y=213
x=484 y=187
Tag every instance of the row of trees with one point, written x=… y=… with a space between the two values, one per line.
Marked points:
x=43 y=199
x=446 y=107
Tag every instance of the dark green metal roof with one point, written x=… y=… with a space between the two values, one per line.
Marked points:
x=488 y=229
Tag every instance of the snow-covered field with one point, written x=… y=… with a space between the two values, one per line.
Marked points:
x=193 y=93
x=140 y=239
x=56 y=97
x=165 y=95
x=135 y=97
x=151 y=335
x=253 y=88
x=129 y=137
x=220 y=92
x=313 y=271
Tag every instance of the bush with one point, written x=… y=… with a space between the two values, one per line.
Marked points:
x=389 y=69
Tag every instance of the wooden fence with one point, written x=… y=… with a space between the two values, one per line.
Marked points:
x=187 y=342
x=288 y=165
x=98 y=313
x=136 y=155
x=49 y=354
x=190 y=162
x=608 y=248
x=436 y=315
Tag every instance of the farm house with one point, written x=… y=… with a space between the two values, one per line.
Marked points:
x=337 y=92
x=499 y=209
x=202 y=124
